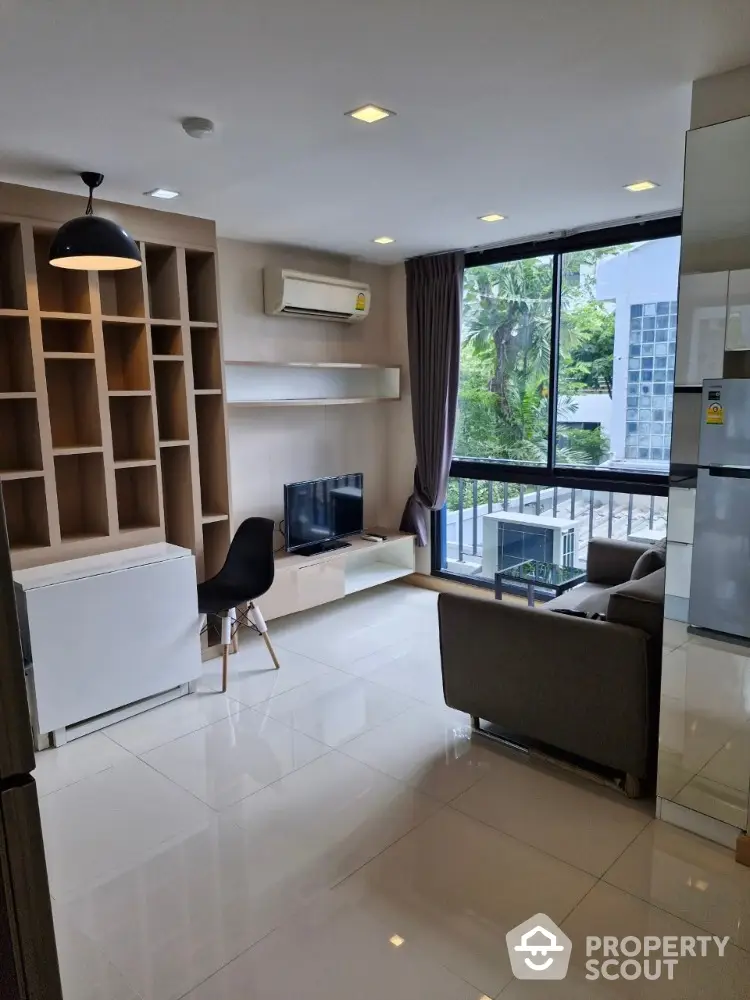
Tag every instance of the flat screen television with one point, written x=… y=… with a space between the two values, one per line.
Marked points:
x=320 y=512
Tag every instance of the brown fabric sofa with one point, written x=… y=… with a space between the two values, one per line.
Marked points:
x=586 y=686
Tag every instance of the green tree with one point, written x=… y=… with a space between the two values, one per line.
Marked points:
x=505 y=360
x=589 y=360
x=503 y=389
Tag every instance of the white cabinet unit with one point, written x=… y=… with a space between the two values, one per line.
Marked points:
x=680 y=529
x=106 y=632
x=302 y=582
x=681 y=515
x=701 y=326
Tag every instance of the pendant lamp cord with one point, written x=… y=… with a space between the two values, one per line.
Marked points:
x=90 y=204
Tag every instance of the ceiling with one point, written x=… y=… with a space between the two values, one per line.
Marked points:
x=538 y=109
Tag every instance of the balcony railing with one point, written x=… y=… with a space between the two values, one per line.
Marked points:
x=552 y=522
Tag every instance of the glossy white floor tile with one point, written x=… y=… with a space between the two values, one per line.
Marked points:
x=337 y=709
x=430 y=750
x=690 y=878
x=324 y=821
x=85 y=971
x=58 y=767
x=113 y=822
x=222 y=763
x=453 y=887
x=269 y=843
x=562 y=814
x=253 y=678
x=196 y=904
x=607 y=910
x=334 y=951
x=161 y=725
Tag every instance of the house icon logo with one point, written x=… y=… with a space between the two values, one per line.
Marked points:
x=538 y=949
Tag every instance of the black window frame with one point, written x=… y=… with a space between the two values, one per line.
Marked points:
x=496 y=470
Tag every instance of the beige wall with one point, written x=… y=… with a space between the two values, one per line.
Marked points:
x=720 y=98
x=269 y=447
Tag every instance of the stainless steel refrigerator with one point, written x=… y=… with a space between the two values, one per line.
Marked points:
x=28 y=955
x=720 y=574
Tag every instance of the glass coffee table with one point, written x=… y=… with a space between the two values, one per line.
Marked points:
x=558 y=579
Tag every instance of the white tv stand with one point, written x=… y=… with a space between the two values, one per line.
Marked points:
x=302 y=582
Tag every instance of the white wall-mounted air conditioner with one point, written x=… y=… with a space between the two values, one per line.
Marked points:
x=316 y=296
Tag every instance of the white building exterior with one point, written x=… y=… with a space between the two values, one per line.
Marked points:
x=642 y=284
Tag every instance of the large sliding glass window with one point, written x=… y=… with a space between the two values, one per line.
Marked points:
x=618 y=331
x=565 y=399
x=503 y=404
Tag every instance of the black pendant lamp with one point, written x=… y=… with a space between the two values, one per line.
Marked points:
x=90 y=243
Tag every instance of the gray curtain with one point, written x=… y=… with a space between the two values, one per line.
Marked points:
x=433 y=310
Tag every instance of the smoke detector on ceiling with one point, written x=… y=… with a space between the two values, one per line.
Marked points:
x=198 y=128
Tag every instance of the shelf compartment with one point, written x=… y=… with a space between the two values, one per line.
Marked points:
x=26 y=513
x=16 y=366
x=132 y=422
x=73 y=403
x=171 y=400
x=215 y=546
x=206 y=352
x=20 y=447
x=68 y=335
x=212 y=461
x=269 y=384
x=137 y=497
x=201 y=285
x=126 y=354
x=60 y=290
x=121 y=292
x=166 y=340
x=178 y=496
x=12 y=273
x=163 y=285
x=81 y=496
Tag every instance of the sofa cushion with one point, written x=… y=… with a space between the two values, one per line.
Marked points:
x=652 y=559
x=573 y=599
x=639 y=603
x=596 y=603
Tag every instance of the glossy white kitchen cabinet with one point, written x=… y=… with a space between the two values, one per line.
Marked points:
x=701 y=327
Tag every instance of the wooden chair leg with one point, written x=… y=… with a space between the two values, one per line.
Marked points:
x=260 y=624
x=270 y=650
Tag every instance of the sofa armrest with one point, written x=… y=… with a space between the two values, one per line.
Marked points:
x=578 y=684
x=611 y=561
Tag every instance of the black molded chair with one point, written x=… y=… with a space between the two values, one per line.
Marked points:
x=246 y=575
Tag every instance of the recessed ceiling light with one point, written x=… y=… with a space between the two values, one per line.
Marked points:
x=492 y=217
x=162 y=193
x=396 y=940
x=384 y=239
x=641 y=186
x=370 y=113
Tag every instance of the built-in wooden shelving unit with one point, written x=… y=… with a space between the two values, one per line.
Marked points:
x=302 y=383
x=112 y=402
